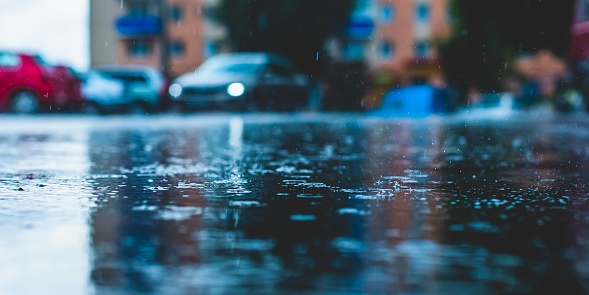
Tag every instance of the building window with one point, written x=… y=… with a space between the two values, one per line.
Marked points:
x=210 y=48
x=450 y=15
x=386 y=14
x=207 y=12
x=176 y=13
x=138 y=9
x=177 y=49
x=353 y=51
x=421 y=49
x=139 y=48
x=583 y=13
x=362 y=7
x=422 y=12
x=386 y=50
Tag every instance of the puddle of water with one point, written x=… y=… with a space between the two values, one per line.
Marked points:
x=325 y=205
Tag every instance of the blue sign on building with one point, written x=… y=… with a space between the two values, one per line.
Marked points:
x=138 y=25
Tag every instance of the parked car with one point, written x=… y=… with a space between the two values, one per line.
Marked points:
x=145 y=87
x=241 y=81
x=103 y=95
x=491 y=105
x=70 y=83
x=29 y=85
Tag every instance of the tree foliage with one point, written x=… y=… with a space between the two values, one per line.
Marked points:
x=294 y=28
x=488 y=34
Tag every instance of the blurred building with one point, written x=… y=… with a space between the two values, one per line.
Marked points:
x=172 y=35
x=395 y=35
x=392 y=35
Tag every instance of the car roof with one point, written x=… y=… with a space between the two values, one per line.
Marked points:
x=143 y=70
x=124 y=68
x=257 y=58
x=149 y=72
x=250 y=57
x=22 y=53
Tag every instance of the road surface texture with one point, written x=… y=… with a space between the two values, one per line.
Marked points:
x=294 y=204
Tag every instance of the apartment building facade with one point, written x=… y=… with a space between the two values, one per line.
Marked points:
x=395 y=35
x=175 y=36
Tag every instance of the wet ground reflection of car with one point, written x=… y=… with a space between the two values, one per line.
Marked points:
x=290 y=204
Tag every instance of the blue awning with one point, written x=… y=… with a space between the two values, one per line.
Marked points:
x=138 y=25
x=359 y=27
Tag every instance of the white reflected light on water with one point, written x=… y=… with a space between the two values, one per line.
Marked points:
x=44 y=205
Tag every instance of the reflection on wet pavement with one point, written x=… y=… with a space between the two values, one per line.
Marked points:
x=295 y=204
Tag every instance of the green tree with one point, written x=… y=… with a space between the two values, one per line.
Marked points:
x=488 y=34
x=296 y=29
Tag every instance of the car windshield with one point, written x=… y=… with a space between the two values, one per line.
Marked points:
x=229 y=66
x=40 y=61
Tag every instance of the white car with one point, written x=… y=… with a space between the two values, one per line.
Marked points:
x=145 y=86
x=102 y=94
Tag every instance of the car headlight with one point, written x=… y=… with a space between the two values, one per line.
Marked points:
x=175 y=90
x=236 y=89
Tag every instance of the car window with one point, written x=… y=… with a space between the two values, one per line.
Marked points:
x=128 y=78
x=9 y=60
x=40 y=61
x=278 y=70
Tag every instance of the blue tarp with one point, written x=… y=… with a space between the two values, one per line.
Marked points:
x=413 y=101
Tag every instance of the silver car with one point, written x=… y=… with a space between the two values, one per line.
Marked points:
x=145 y=87
x=103 y=95
x=242 y=82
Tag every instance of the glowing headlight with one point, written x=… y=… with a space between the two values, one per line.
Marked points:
x=235 y=89
x=175 y=90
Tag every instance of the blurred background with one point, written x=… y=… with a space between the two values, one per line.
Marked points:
x=389 y=57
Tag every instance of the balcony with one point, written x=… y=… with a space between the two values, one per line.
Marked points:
x=132 y=25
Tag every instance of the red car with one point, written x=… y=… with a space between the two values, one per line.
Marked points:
x=71 y=84
x=28 y=85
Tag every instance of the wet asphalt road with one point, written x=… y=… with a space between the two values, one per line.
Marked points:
x=294 y=204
